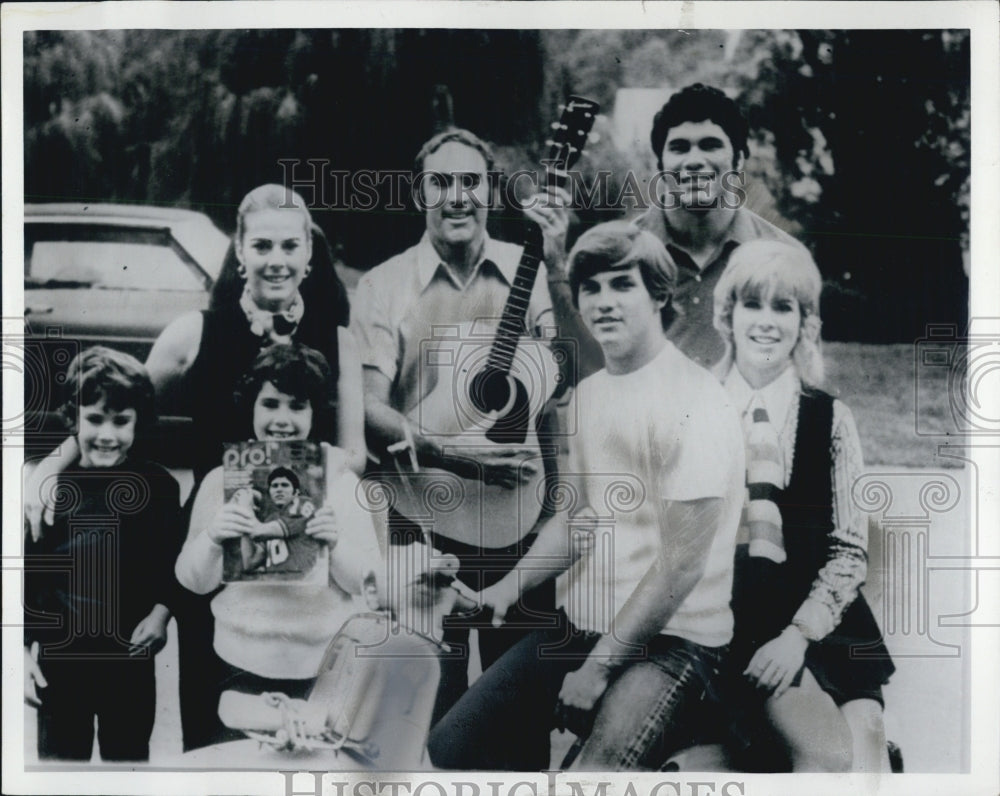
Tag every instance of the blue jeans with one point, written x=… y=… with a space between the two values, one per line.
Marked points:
x=503 y=722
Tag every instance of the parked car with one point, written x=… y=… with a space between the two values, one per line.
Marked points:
x=116 y=274
x=106 y=274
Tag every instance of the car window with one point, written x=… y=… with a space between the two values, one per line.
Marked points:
x=112 y=264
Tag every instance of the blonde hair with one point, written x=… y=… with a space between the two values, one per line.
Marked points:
x=271 y=196
x=759 y=270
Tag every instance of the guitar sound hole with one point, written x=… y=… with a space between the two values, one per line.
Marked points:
x=489 y=390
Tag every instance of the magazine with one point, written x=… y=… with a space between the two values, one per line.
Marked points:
x=285 y=483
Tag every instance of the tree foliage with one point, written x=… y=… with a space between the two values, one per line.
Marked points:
x=199 y=117
x=861 y=147
x=871 y=137
x=861 y=138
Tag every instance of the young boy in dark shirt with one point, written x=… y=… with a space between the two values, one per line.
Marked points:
x=99 y=577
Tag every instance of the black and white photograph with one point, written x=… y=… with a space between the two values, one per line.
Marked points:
x=493 y=399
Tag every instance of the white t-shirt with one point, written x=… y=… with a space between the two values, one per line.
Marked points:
x=665 y=432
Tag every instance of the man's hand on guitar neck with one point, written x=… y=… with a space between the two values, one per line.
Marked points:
x=582 y=356
x=549 y=209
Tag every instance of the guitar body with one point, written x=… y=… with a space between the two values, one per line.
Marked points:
x=483 y=392
x=453 y=414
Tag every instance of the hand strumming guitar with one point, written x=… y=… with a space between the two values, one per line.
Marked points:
x=505 y=468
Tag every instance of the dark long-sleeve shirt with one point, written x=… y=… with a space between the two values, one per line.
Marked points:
x=105 y=562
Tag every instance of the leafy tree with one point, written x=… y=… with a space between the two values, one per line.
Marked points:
x=862 y=137
x=870 y=133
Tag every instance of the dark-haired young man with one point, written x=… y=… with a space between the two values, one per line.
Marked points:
x=699 y=138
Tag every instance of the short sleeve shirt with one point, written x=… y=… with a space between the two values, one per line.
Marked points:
x=665 y=432
x=414 y=298
x=692 y=330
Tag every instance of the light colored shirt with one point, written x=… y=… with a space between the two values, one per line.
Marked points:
x=415 y=298
x=665 y=432
x=837 y=584
x=281 y=630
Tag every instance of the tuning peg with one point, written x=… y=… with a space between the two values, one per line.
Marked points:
x=593 y=137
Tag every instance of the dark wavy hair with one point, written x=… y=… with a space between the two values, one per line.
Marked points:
x=284 y=472
x=617 y=246
x=698 y=103
x=296 y=370
x=120 y=380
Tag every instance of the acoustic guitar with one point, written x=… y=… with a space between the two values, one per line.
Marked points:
x=485 y=384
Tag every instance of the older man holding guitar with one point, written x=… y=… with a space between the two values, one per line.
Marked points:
x=456 y=341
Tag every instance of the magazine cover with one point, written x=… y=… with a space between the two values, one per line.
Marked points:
x=285 y=484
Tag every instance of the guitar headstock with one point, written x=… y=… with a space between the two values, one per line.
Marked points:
x=570 y=133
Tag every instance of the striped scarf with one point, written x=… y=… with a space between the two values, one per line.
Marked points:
x=761 y=520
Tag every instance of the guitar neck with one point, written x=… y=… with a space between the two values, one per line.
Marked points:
x=572 y=131
x=512 y=326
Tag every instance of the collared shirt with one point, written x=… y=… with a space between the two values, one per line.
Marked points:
x=692 y=330
x=837 y=584
x=414 y=298
x=777 y=397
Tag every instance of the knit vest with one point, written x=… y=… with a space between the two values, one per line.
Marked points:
x=766 y=595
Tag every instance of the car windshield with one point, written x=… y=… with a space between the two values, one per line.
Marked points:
x=111 y=265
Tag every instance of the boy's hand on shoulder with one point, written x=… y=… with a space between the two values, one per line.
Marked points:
x=33 y=677
x=324 y=525
x=150 y=633
x=39 y=512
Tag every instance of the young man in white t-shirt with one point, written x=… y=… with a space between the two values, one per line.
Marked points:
x=642 y=548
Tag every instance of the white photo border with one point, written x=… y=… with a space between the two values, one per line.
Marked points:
x=980 y=16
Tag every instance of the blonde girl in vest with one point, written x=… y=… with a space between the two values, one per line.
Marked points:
x=807 y=653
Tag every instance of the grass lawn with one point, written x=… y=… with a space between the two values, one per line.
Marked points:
x=878 y=383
